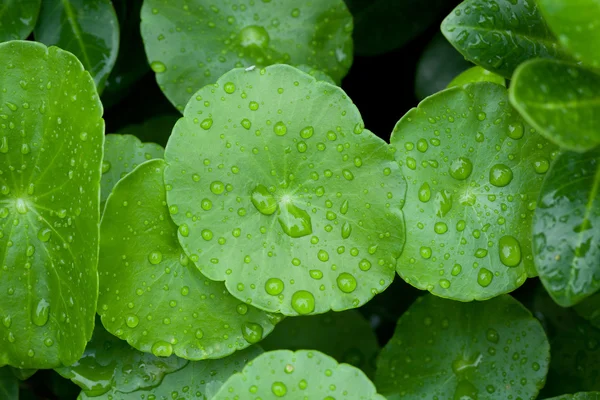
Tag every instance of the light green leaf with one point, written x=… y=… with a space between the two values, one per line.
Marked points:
x=9 y=385
x=575 y=23
x=303 y=374
x=589 y=309
x=384 y=25
x=151 y=294
x=191 y=43
x=500 y=35
x=51 y=139
x=345 y=336
x=566 y=228
x=17 y=18
x=109 y=364
x=579 y=396
x=197 y=380
x=561 y=100
x=266 y=175
x=477 y=74
x=122 y=153
x=451 y=350
x=474 y=171
x=87 y=28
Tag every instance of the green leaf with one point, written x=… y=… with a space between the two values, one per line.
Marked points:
x=51 y=138
x=384 y=25
x=266 y=176
x=447 y=349
x=589 y=309
x=575 y=24
x=345 y=336
x=9 y=385
x=501 y=35
x=579 y=396
x=122 y=153
x=87 y=28
x=109 y=364
x=197 y=380
x=303 y=374
x=561 y=100
x=23 y=374
x=477 y=74
x=439 y=63
x=151 y=294
x=190 y=44
x=575 y=347
x=566 y=238
x=474 y=171
x=17 y=18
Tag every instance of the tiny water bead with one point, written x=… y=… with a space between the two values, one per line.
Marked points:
x=509 y=249
x=500 y=175
x=303 y=302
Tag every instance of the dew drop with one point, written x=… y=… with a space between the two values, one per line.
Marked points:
x=279 y=389
x=346 y=282
x=484 y=277
x=303 y=302
x=461 y=168
x=263 y=200
x=274 y=286
x=158 y=67
x=132 y=321
x=162 y=349
x=155 y=257
x=41 y=313
x=294 y=221
x=500 y=175
x=280 y=129
x=252 y=332
x=510 y=251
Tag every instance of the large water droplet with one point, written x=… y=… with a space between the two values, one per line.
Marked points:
x=158 y=67
x=263 y=200
x=516 y=130
x=155 y=257
x=162 y=349
x=484 y=277
x=346 y=282
x=461 y=168
x=424 y=192
x=443 y=203
x=254 y=36
x=465 y=390
x=510 y=251
x=274 y=286
x=44 y=234
x=279 y=389
x=500 y=175
x=294 y=221
x=132 y=321
x=280 y=129
x=252 y=332
x=41 y=312
x=303 y=302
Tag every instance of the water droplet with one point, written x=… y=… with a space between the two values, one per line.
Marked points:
x=425 y=252
x=481 y=116
x=242 y=309
x=155 y=257
x=21 y=206
x=322 y=255
x=492 y=335
x=541 y=166
x=254 y=36
x=303 y=302
x=307 y=132
x=461 y=168
x=346 y=282
x=444 y=283
x=132 y=321
x=206 y=123
x=516 y=130
x=500 y=175
x=252 y=332
x=263 y=200
x=465 y=390
x=274 y=286
x=162 y=349
x=105 y=166
x=294 y=221
x=484 y=277
x=346 y=230
x=279 y=389
x=253 y=105
x=280 y=129
x=40 y=315
x=510 y=251
x=158 y=67
x=217 y=187
x=199 y=333
x=424 y=192
x=440 y=228
x=229 y=87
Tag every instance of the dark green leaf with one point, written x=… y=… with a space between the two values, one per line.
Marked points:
x=266 y=177
x=561 y=100
x=9 y=385
x=122 y=153
x=51 y=139
x=474 y=171
x=305 y=374
x=451 y=350
x=345 y=336
x=87 y=28
x=500 y=35
x=589 y=309
x=23 y=374
x=579 y=396
x=566 y=228
x=477 y=74
x=157 y=129
x=190 y=43
x=575 y=23
x=384 y=25
x=17 y=18
x=151 y=294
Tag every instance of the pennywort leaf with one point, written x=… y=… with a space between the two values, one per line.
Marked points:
x=51 y=139
x=566 y=234
x=265 y=176
x=477 y=74
x=191 y=43
x=493 y=350
x=17 y=18
x=500 y=35
x=303 y=374
x=87 y=28
x=151 y=294
x=579 y=396
x=474 y=171
x=561 y=100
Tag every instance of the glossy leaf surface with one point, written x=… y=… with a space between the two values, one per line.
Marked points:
x=51 y=139
x=477 y=74
x=266 y=174
x=500 y=35
x=87 y=28
x=151 y=294
x=17 y=18
x=492 y=350
x=303 y=374
x=192 y=43
x=566 y=228
x=561 y=100
x=474 y=171
x=345 y=336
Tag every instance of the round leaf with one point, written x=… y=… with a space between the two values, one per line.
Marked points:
x=579 y=396
x=304 y=374
x=345 y=336
x=575 y=23
x=561 y=100
x=109 y=364
x=122 y=153
x=87 y=28
x=501 y=35
x=17 y=18
x=474 y=172
x=566 y=238
x=51 y=138
x=151 y=294
x=451 y=350
x=266 y=177
x=477 y=74
x=191 y=43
